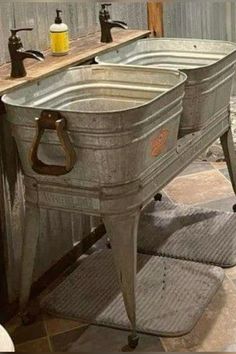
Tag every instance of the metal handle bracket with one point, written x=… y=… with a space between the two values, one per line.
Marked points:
x=54 y=121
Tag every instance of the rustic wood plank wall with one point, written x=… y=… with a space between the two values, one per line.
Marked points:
x=81 y=18
x=199 y=19
x=209 y=19
x=134 y=13
x=6 y=22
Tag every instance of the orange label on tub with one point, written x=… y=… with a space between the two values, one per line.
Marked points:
x=159 y=142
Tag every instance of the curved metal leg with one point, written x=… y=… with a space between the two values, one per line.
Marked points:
x=158 y=197
x=31 y=234
x=108 y=242
x=123 y=230
x=230 y=157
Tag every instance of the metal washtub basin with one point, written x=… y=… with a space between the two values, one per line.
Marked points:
x=209 y=65
x=90 y=140
x=116 y=121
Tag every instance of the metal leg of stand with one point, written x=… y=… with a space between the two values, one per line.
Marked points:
x=123 y=231
x=230 y=157
x=158 y=197
x=31 y=235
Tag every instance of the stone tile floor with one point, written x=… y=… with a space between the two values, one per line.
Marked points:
x=203 y=183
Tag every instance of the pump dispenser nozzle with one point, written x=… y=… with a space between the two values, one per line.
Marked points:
x=58 y=18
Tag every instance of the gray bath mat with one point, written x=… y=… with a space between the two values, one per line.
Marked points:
x=187 y=232
x=171 y=294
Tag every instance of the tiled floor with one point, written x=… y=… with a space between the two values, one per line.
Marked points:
x=202 y=183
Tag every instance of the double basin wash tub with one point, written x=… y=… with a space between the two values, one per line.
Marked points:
x=208 y=64
x=91 y=140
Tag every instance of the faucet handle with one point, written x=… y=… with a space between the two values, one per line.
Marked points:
x=104 y=11
x=105 y=4
x=15 y=30
x=14 y=42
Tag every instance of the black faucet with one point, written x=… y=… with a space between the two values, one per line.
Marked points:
x=107 y=24
x=18 y=53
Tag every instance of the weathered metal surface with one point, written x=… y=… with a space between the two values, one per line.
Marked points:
x=132 y=195
x=125 y=258
x=59 y=230
x=116 y=117
x=116 y=107
x=209 y=65
x=206 y=19
x=108 y=116
x=167 y=168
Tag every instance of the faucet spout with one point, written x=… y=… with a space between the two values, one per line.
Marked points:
x=29 y=54
x=34 y=54
x=120 y=24
x=17 y=68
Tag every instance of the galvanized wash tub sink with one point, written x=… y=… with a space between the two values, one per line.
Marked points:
x=209 y=65
x=116 y=160
x=118 y=119
x=113 y=124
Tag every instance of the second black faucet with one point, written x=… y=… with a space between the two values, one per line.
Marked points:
x=107 y=24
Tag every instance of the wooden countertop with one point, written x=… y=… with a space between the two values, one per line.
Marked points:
x=81 y=50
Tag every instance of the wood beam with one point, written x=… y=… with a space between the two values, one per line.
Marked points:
x=155 y=18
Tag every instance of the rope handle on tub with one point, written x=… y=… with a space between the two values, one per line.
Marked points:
x=53 y=121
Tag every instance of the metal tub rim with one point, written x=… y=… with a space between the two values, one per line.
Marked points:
x=98 y=58
x=8 y=100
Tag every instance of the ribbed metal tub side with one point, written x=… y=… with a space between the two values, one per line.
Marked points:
x=209 y=65
x=114 y=146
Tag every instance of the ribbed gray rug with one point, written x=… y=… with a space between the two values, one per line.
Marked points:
x=171 y=294
x=186 y=232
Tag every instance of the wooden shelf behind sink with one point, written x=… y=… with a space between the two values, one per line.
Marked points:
x=82 y=50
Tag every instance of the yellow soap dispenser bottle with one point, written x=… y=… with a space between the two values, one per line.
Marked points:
x=59 y=36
